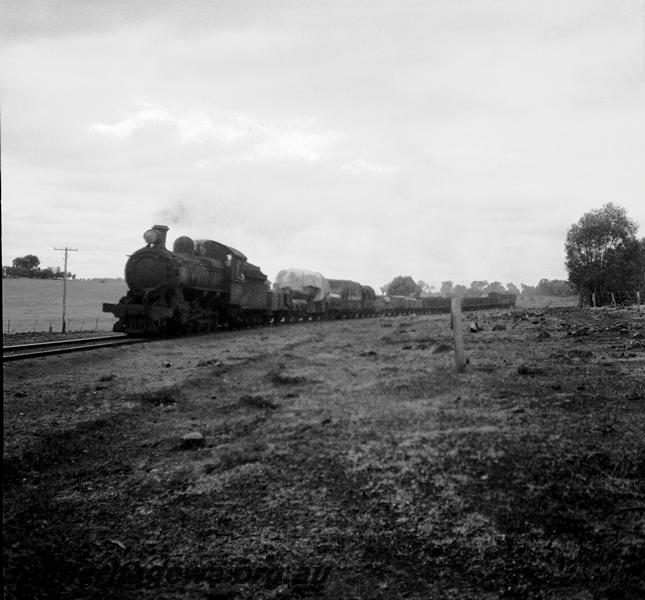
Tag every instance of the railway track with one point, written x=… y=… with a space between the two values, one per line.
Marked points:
x=40 y=349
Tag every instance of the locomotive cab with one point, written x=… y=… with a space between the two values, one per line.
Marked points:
x=230 y=258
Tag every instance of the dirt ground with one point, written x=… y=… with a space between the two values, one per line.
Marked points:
x=342 y=459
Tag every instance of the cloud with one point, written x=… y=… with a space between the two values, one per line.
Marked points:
x=295 y=145
x=124 y=128
x=362 y=166
x=296 y=139
x=194 y=126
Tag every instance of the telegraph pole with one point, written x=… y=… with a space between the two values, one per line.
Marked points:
x=66 y=250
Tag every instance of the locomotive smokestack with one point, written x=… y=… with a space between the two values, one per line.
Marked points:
x=162 y=230
x=156 y=236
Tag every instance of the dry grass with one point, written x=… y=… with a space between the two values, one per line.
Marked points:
x=338 y=464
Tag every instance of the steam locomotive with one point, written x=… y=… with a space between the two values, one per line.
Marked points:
x=199 y=286
x=202 y=285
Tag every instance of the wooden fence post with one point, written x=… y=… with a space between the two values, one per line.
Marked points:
x=613 y=300
x=458 y=333
x=593 y=299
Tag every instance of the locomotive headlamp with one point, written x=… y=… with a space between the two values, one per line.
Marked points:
x=151 y=236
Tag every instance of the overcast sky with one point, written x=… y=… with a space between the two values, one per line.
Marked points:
x=362 y=139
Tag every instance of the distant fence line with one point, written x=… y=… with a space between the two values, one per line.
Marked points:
x=10 y=326
x=621 y=297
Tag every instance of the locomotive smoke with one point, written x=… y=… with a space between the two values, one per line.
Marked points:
x=175 y=215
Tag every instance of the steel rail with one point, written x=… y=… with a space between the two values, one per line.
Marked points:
x=11 y=356
x=67 y=342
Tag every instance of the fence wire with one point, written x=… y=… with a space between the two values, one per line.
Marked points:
x=615 y=298
x=10 y=326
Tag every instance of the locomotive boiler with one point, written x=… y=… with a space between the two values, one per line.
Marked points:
x=197 y=286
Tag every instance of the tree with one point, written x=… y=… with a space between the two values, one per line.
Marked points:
x=554 y=287
x=28 y=266
x=23 y=266
x=27 y=263
x=477 y=288
x=403 y=286
x=601 y=250
x=512 y=289
x=459 y=290
x=446 y=288
x=626 y=267
x=528 y=291
x=494 y=288
x=424 y=289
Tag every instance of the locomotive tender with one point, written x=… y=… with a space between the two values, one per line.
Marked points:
x=202 y=285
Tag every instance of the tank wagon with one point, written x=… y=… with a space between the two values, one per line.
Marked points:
x=201 y=285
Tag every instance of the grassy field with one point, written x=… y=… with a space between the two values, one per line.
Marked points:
x=37 y=304
x=334 y=460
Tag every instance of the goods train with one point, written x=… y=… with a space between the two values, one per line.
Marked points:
x=202 y=285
